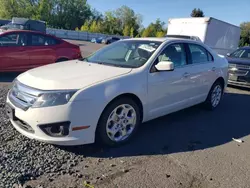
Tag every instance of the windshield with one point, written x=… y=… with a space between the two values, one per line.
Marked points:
x=241 y=53
x=127 y=53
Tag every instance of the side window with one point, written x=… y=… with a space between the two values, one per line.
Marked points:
x=175 y=53
x=13 y=39
x=199 y=54
x=37 y=40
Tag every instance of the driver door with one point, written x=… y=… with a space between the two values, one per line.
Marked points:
x=168 y=90
x=13 y=54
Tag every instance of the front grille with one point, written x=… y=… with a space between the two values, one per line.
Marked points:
x=237 y=72
x=238 y=66
x=23 y=96
x=243 y=67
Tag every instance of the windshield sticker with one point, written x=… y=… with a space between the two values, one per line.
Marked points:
x=147 y=47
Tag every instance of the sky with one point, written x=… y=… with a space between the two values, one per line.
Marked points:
x=232 y=11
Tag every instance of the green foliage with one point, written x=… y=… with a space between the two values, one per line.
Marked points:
x=131 y=32
x=160 y=34
x=57 y=13
x=85 y=27
x=197 y=13
x=245 y=34
x=95 y=27
x=126 y=30
x=155 y=29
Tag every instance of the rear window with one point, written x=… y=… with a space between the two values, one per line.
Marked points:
x=42 y=40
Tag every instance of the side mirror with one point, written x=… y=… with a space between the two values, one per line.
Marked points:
x=165 y=66
x=228 y=54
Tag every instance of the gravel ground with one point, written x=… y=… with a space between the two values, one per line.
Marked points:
x=22 y=159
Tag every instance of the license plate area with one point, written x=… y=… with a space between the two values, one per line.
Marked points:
x=10 y=111
x=233 y=77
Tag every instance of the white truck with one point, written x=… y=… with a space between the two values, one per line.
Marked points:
x=218 y=35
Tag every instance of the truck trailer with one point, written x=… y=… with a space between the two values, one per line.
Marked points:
x=221 y=36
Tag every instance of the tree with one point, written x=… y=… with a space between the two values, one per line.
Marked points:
x=95 y=27
x=17 y=8
x=44 y=10
x=132 y=32
x=126 y=30
x=197 y=13
x=111 y=25
x=129 y=19
x=155 y=29
x=85 y=27
x=245 y=34
x=57 y=13
x=160 y=34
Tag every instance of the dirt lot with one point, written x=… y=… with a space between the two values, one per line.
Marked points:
x=191 y=148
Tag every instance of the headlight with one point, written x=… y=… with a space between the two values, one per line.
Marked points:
x=53 y=99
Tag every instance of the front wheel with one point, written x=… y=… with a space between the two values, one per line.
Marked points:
x=214 y=96
x=118 y=122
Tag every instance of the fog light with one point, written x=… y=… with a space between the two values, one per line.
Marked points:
x=56 y=129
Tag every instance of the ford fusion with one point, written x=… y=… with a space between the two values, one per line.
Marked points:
x=106 y=96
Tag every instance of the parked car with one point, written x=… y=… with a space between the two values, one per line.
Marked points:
x=22 y=50
x=25 y=24
x=97 y=40
x=4 y=22
x=239 y=67
x=106 y=96
x=110 y=40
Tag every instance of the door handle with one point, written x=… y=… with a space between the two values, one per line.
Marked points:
x=186 y=74
x=213 y=69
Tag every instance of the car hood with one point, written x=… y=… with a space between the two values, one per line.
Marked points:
x=73 y=74
x=238 y=61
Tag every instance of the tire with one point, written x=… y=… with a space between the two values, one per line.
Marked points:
x=108 y=122
x=215 y=95
x=61 y=60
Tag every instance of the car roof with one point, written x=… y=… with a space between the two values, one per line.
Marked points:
x=25 y=31
x=28 y=31
x=160 y=39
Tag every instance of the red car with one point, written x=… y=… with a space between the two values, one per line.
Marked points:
x=22 y=50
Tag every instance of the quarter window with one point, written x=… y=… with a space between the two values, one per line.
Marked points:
x=175 y=53
x=199 y=54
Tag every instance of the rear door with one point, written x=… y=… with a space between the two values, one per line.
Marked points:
x=41 y=50
x=202 y=71
x=13 y=52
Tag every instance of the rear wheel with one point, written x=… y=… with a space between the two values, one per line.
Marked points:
x=214 y=97
x=118 y=122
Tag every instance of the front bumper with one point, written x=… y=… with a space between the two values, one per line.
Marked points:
x=72 y=112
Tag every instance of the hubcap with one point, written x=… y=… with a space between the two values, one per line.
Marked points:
x=121 y=122
x=216 y=95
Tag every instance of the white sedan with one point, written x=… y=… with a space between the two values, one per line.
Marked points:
x=106 y=96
